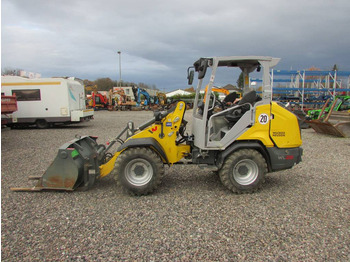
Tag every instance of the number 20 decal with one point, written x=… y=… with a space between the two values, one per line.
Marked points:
x=263 y=119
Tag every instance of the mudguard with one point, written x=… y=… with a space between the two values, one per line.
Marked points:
x=145 y=142
x=240 y=145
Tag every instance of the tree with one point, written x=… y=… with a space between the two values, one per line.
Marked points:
x=10 y=72
x=104 y=84
x=191 y=89
x=313 y=68
x=88 y=82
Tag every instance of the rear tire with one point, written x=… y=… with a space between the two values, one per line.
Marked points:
x=243 y=171
x=139 y=170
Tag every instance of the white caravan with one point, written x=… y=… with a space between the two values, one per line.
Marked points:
x=46 y=101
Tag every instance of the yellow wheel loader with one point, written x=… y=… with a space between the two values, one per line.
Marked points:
x=242 y=142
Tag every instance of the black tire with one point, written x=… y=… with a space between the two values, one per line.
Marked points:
x=42 y=124
x=243 y=171
x=139 y=170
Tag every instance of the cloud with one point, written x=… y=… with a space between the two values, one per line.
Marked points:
x=160 y=39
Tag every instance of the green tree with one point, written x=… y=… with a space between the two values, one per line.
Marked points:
x=88 y=82
x=104 y=84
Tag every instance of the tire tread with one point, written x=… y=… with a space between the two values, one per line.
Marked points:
x=158 y=172
x=225 y=172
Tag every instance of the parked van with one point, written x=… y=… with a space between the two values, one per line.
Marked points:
x=46 y=101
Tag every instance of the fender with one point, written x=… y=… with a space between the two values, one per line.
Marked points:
x=145 y=142
x=243 y=145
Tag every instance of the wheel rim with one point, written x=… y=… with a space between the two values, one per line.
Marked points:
x=245 y=172
x=138 y=172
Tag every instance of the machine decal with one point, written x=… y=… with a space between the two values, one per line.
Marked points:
x=263 y=119
x=278 y=133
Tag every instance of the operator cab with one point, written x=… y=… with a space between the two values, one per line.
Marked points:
x=224 y=124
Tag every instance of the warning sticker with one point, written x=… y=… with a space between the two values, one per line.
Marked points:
x=263 y=119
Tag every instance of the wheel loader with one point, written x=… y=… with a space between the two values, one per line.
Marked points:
x=242 y=142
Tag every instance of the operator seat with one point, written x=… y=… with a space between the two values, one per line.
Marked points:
x=245 y=103
x=230 y=98
x=250 y=97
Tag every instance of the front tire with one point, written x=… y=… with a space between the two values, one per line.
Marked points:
x=243 y=171
x=139 y=170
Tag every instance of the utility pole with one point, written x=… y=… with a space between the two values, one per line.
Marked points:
x=120 y=68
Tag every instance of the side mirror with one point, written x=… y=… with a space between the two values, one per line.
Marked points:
x=190 y=76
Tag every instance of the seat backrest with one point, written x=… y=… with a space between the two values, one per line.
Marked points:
x=231 y=97
x=250 y=97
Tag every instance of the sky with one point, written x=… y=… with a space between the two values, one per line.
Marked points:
x=160 y=39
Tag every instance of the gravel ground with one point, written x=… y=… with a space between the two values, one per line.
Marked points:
x=302 y=214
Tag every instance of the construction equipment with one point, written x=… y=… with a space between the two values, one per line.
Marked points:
x=98 y=101
x=166 y=103
x=215 y=89
x=340 y=103
x=162 y=101
x=335 y=123
x=147 y=98
x=242 y=143
x=162 y=98
x=146 y=101
x=124 y=102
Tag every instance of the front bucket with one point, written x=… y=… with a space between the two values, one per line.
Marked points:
x=75 y=166
x=330 y=129
x=336 y=124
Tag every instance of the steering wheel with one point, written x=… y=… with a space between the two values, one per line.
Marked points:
x=214 y=104
x=220 y=104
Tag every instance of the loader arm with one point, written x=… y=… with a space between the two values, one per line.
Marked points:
x=160 y=134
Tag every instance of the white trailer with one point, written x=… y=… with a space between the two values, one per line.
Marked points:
x=46 y=101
